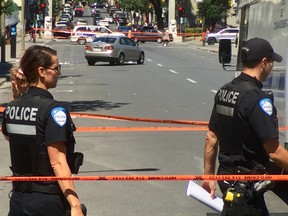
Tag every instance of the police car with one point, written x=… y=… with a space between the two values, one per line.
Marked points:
x=87 y=33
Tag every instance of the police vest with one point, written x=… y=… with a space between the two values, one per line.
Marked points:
x=232 y=129
x=26 y=120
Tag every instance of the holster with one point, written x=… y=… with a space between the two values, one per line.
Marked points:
x=78 y=158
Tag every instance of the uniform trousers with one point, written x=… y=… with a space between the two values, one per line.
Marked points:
x=36 y=204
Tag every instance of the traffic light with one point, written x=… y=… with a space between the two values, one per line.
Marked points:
x=180 y=11
x=41 y=8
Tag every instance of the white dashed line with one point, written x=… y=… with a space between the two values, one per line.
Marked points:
x=149 y=60
x=214 y=91
x=190 y=80
x=172 y=71
x=160 y=65
x=64 y=91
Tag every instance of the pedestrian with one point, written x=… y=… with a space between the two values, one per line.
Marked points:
x=32 y=32
x=40 y=134
x=243 y=126
x=166 y=37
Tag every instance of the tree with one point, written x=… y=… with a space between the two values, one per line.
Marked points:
x=142 y=6
x=133 y=5
x=9 y=7
x=157 y=4
x=56 y=8
x=214 y=11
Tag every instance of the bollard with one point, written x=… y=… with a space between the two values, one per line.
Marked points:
x=129 y=34
x=203 y=38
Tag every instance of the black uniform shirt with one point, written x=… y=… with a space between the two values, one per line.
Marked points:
x=256 y=110
x=56 y=128
x=32 y=122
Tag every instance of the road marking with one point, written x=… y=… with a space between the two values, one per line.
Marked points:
x=172 y=71
x=160 y=65
x=214 y=91
x=64 y=91
x=190 y=80
x=71 y=82
x=149 y=60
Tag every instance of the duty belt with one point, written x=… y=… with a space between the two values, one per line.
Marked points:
x=29 y=187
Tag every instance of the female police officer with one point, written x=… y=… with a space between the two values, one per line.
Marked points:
x=244 y=125
x=40 y=134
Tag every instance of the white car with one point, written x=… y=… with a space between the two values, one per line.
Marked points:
x=87 y=33
x=81 y=22
x=227 y=33
x=110 y=19
x=104 y=22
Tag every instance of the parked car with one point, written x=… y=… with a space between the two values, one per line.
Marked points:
x=110 y=19
x=104 y=23
x=78 y=11
x=68 y=10
x=123 y=29
x=122 y=21
x=95 y=13
x=96 y=20
x=87 y=33
x=113 y=49
x=151 y=35
x=227 y=33
x=67 y=15
x=61 y=31
x=81 y=22
x=64 y=19
x=69 y=25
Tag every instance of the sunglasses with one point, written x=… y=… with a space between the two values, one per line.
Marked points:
x=56 y=69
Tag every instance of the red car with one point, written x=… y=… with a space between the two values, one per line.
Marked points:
x=79 y=11
x=151 y=35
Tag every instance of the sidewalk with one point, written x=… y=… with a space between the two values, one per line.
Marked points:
x=9 y=62
x=197 y=43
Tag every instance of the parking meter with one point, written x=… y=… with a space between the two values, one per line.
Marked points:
x=13 y=33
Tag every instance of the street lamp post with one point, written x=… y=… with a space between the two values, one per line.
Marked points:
x=3 y=28
x=172 y=24
x=23 y=25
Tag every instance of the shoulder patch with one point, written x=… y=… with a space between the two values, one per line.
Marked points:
x=266 y=106
x=59 y=116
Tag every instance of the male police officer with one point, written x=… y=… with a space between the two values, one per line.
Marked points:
x=244 y=125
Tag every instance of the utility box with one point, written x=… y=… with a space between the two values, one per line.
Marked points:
x=48 y=25
x=173 y=27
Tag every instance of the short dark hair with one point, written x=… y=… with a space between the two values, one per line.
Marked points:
x=34 y=57
x=250 y=64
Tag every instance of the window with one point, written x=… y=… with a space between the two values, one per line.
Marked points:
x=81 y=29
x=130 y=42
x=122 y=41
x=103 y=30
